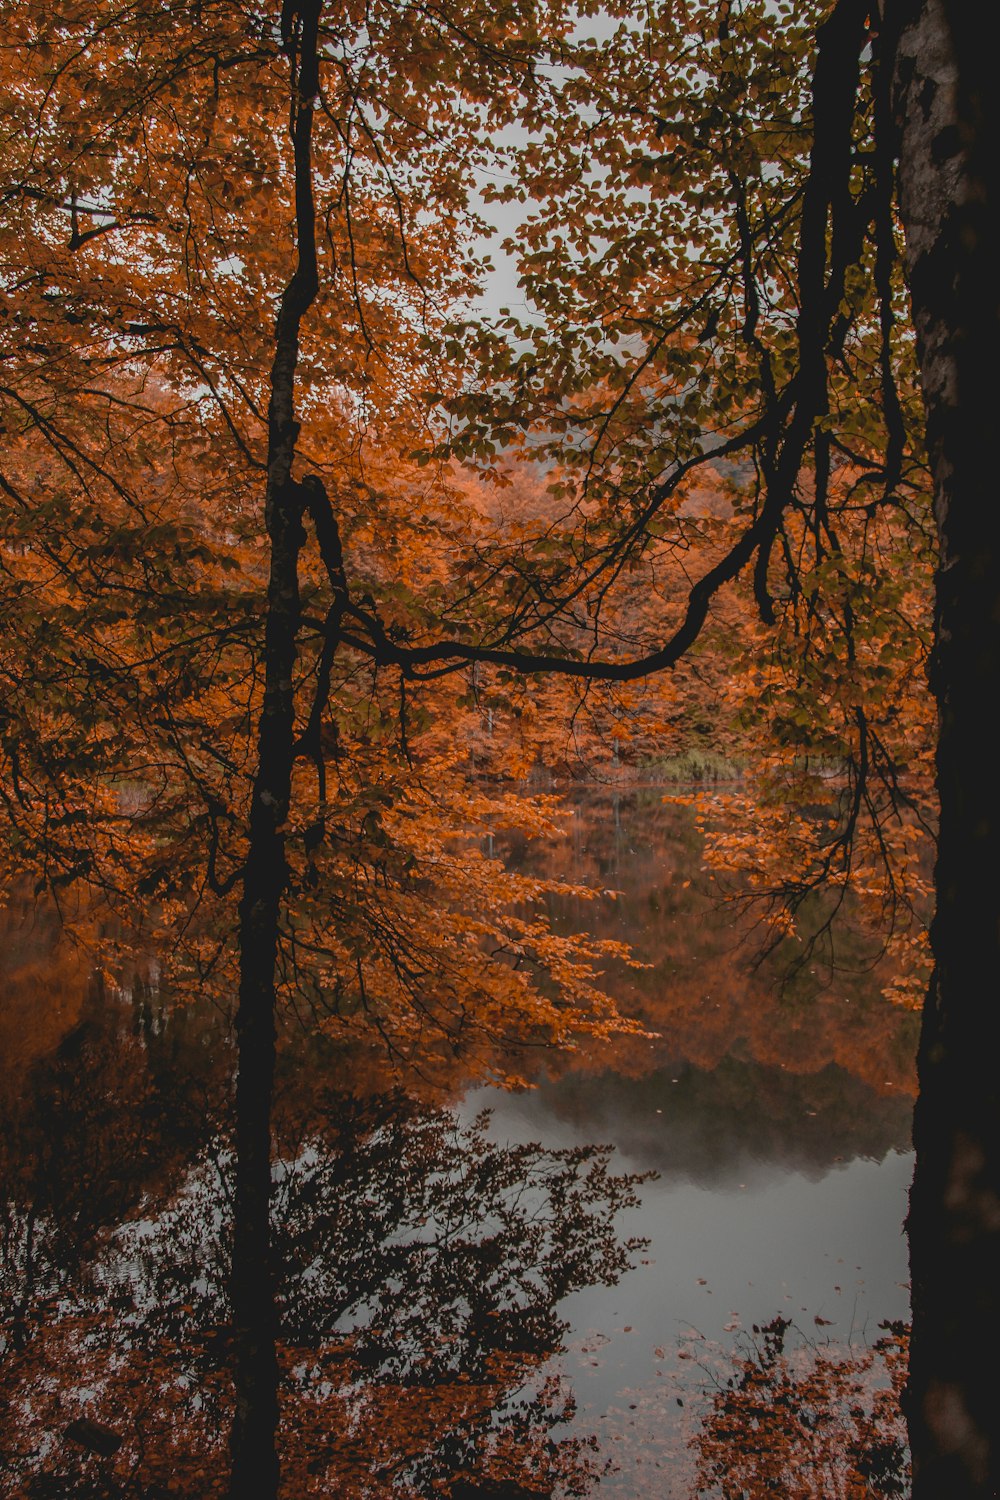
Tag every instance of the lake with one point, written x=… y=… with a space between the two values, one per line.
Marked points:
x=553 y=1299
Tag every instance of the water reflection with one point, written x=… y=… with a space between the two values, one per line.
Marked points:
x=421 y=1267
x=458 y=1316
x=739 y=1122
x=753 y=1062
x=793 y=1417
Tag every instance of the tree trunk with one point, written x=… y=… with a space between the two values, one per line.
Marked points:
x=254 y=1474
x=947 y=180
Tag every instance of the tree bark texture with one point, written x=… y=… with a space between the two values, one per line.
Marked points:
x=254 y=1473
x=945 y=103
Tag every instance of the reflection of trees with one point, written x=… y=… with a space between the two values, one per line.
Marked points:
x=751 y=1063
x=419 y=1266
x=704 y=993
x=806 y=1422
x=86 y=1132
x=29 y=969
x=430 y=1297
x=725 y=1125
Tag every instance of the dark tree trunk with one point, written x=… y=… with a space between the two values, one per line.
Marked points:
x=948 y=171
x=252 y=1444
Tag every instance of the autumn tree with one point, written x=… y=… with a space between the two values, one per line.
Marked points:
x=716 y=267
x=175 y=663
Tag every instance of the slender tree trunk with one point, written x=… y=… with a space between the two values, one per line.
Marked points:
x=948 y=187
x=252 y=1444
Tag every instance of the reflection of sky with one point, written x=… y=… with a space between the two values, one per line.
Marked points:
x=781 y=1186
x=722 y=1257
x=779 y=1242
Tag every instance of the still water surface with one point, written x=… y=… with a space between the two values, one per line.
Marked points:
x=476 y=1309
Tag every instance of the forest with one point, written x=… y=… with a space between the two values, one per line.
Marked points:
x=498 y=583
